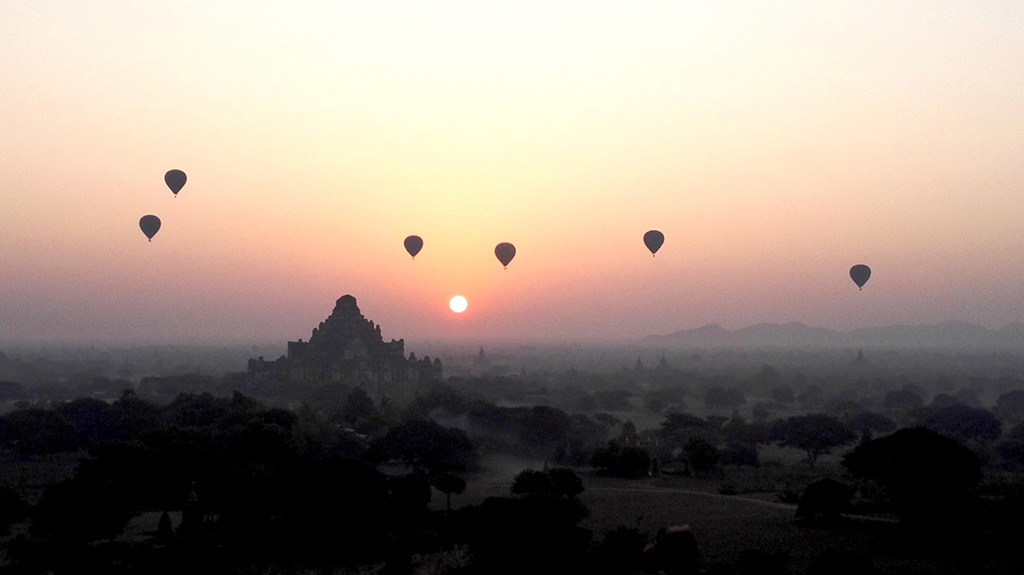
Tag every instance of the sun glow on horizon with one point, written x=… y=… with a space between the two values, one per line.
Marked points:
x=458 y=304
x=773 y=146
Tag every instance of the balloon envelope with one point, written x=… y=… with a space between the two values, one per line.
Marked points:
x=175 y=180
x=860 y=274
x=653 y=240
x=505 y=252
x=413 y=245
x=150 y=225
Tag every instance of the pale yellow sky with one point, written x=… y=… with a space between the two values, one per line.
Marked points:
x=775 y=145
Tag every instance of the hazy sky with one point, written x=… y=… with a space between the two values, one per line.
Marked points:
x=774 y=143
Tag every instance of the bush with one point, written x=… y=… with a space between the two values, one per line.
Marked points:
x=824 y=501
x=741 y=454
x=557 y=482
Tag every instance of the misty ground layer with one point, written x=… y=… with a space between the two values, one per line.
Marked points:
x=728 y=442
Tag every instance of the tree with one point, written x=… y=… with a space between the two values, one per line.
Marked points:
x=531 y=482
x=666 y=398
x=968 y=396
x=924 y=473
x=528 y=534
x=628 y=462
x=783 y=394
x=1010 y=405
x=449 y=483
x=195 y=410
x=945 y=400
x=674 y=552
x=536 y=531
x=824 y=501
x=760 y=411
x=701 y=456
x=259 y=441
x=557 y=482
x=333 y=511
x=358 y=407
x=585 y=436
x=768 y=378
x=740 y=454
x=967 y=424
x=11 y=391
x=620 y=551
x=868 y=422
x=841 y=409
x=1012 y=447
x=565 y=482
x=678 y=428
x=811 y=398
x=738 y=431
x=903 y=400
x=718 y=397
x=134 y=415
x=427 y=447
x=816 y=434
x=37 y=431
x=77 y=511
x=410 y=494
x=439 y=397
x=543 y=427
x=94 y=420
x=614 y=400
x=164 y=530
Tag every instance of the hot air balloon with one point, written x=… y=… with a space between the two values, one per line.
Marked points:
x=150 y=226
x=505 y=252
x=413 y=245
x=653 y=240
x=175 y=180
x=860 y=274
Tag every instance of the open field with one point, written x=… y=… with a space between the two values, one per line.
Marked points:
x=31 y=476
x=726 y=525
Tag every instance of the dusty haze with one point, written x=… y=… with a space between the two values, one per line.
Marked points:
x=774 y=146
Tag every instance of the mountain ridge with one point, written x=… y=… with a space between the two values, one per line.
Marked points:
x=947 y=334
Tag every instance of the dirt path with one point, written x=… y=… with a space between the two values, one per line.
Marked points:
x=789 y=508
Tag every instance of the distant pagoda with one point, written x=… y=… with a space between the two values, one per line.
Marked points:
x=346 y=348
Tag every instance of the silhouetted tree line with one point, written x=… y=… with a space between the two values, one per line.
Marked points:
x=540 y=432
x=255 y=485
x=260 y=486
x=261 y=489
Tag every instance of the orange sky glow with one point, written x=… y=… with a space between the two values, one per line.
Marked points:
x=774 y=144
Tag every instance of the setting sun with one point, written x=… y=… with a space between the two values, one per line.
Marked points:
x=458 y=304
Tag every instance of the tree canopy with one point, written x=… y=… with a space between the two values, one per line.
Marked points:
x=427 y=447
x=922 y=471
x=816 y=434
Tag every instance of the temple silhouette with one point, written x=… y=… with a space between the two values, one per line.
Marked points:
x=347 y=349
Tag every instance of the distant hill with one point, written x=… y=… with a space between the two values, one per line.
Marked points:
x=950 y=334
